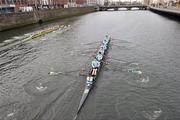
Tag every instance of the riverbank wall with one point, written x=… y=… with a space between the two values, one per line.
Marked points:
x=166 y=12
x=14 y=20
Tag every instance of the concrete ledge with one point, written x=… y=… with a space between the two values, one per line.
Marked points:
x=165 y=11
x=14 y=20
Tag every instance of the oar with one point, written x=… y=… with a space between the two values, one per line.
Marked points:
x=63 y=73
x=119 y=60
x=115 y=39
x=75 y=117
x=117 y=45
x=82 y=72
x=92 y=43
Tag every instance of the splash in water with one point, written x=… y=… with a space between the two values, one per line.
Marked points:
x=135 y=71
x=41 y=87
x=54 y=73
x=10 y=114
x=152 y=115
x=144 y=79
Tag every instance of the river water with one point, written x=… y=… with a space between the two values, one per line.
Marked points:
x=39 y=79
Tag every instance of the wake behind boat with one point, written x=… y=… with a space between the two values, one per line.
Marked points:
x=30 y=36
x=94 y=71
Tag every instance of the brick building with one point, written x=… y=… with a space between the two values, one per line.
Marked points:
x=29 y=5
x=33 y=3
x=81 y=2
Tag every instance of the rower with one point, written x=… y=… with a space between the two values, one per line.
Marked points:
x=99 y=57
x=101 y=51
x=108 y=37
x=95 y=65
x=94 y=72
x=104 y=47
x=89 y=80
x=106 y=40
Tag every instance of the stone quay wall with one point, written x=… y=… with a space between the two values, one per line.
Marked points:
x=14 y=20
x=166 y=11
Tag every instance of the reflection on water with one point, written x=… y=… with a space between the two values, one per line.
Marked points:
x=39 y=78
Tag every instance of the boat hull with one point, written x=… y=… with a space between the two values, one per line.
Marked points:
x=89 y=88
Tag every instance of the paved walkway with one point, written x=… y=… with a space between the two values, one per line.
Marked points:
x=168 y=10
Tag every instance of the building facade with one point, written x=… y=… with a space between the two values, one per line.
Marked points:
x=29 y=5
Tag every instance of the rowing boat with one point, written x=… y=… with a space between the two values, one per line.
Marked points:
x=46 y=31
x=90 y=79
